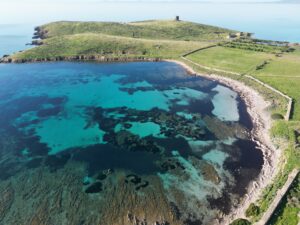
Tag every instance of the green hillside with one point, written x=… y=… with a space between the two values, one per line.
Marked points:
x=90 y=44
x=148 y=39
x=156 y=29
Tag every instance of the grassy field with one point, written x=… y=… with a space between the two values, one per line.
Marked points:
x=156 y=29
x=107 y=45
x=160 y=38
x=283 y=73
x=289 y=86
x=230 y=59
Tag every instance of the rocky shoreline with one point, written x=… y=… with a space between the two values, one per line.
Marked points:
x=39 y=33
x=256 y=107
x=81 y=58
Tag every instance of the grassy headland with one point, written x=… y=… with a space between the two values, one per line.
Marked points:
x=275 y=64
x=148 y=39
x=90 y=44
x=154 y=30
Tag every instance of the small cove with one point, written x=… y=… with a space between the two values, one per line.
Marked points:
x=141 y=127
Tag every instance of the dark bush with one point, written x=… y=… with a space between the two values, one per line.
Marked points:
x=253 y=210
x=240 y=222
x=277 y=116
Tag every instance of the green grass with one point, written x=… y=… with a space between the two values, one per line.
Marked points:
x=280 y=129
x=288 y=65
x=230 y=59
x=106 y=45
x=156 y=29
x=158 y=38
x=283 y=73
x=288 y=216
x=289 y=86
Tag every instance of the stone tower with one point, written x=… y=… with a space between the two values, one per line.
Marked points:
x=177 y=18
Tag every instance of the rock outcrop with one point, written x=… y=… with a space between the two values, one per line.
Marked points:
x=96 y=58
x=39 y=33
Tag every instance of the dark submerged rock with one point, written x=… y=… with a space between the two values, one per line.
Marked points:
x=94 y=188
x=101 y=176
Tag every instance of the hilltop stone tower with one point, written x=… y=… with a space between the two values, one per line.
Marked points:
x=177 y=18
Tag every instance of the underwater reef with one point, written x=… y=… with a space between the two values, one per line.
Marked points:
x=120 y=143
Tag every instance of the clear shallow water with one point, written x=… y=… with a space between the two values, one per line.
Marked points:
x=136 y=133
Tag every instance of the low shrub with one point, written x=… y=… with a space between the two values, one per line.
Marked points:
x=240 y=222
x=277 y=116
x=253 y=210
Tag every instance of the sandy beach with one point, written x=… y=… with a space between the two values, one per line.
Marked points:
x=256 y=107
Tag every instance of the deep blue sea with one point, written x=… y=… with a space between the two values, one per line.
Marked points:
x=120 y=139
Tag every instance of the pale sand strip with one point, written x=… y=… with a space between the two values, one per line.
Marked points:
x=256 y=107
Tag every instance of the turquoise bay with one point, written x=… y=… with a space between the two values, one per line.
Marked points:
x=139 y=128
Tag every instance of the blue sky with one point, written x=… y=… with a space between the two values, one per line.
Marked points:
x=95 y=1
x=42 y=11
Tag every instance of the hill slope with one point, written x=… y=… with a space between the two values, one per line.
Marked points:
x=88 y=44
x=156 y=29
x=147 y=39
